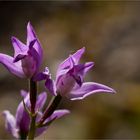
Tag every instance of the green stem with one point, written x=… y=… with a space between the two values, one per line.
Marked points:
x=33 y=96
x=23 y=136
x=32 y=128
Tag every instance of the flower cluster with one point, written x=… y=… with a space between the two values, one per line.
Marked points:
x=18 y=126
x=31 y=119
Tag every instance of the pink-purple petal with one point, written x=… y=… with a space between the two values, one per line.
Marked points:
x=22 y=117
x=19 y=57
x=23 y=93
x=36 y=58
x=41 y=100
x=65 y=84
x=30 y=33
x=30 y=62
x=10 y=123
x=30 y=37
x=65 y=66
x=56 y=115
x=77 y=56
x=88 y=88
x=79 y=71
x=50 y=85
x=67 y=81
x=19 y=47
x=41 y=130
x=14 y=68
x=83 y=68
x=72 y=59
x=42 y=75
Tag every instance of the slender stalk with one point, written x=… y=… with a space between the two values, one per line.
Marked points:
x=32 y=128
x=23 y=136
x=51 y=108
x=33 y=96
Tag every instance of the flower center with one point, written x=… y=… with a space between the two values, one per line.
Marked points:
x=29 y=66
x=65 y=84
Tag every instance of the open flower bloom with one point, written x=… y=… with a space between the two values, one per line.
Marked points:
x=27 y=57
x=18 y=126
x=70 y=79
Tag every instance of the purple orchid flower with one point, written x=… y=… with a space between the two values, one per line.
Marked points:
x=70 y=79
x=27 y=57
x=18 y=126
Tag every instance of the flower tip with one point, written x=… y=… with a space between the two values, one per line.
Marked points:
x=23 y=93
x=91 y=64
x=4 y=113
x=29 y=26
x=13 y=39
x=61 y=112
x=29 y=23
x=66 y=111
x=82 y=49
x=44 y=95
x=77 y=98
x=111 y=90
x=114 y=91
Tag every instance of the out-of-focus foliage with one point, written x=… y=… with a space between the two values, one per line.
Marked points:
x=110 y=31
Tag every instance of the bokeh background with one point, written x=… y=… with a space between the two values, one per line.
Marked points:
x=110 y=31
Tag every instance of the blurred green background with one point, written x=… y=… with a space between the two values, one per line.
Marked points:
x=110 y=31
